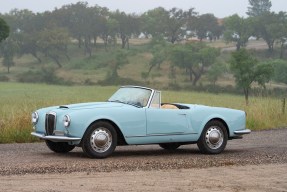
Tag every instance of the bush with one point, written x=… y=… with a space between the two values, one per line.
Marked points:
x=4 y=78
x=88 y=82
x=115 y=80
x=45 y=75
x=258 y=92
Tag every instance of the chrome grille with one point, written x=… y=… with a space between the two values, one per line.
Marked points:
x=50 y=123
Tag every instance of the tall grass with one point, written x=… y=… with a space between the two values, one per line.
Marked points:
x=18 y=101
x=262 y=112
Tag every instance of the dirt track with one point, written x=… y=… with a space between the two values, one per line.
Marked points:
x=256 y=163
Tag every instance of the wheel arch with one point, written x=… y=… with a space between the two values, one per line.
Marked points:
x=223 y=122
x=121 y=138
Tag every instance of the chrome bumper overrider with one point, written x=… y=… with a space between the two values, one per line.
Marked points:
x=242 y=132
x=55 y=138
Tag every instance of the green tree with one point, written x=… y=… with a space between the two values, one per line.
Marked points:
x=282 y=32
x=183 y=57
x=175 y=26
x=280 y=71
x=206 y=26
x=171 y=24
x=268 y=26
x=121 y=58
x=257 y=7
x=8 y=49
x=83 y=22
x=109 y=31
x=215 y=71
x=128 y=25
x=25 y=30
x=246 y=70
x=195 y=58
x=4 y=30
x=53 y=43
x=238 y=30
x=158 y=47
x=153 y=22
x=207 y=57
x=75 y=18
x=98 y=18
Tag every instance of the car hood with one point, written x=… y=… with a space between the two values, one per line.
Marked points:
x=91 y=105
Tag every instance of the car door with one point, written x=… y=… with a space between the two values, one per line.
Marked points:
x=166 y=121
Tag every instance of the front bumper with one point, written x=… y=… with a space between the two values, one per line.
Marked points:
x=55 y=138
x=242 y=132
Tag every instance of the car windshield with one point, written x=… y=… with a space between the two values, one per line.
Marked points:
x=135 y=96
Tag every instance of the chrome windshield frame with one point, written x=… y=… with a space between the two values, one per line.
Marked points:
x=141 y=87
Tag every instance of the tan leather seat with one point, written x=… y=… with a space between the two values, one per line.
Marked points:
x=169 y=106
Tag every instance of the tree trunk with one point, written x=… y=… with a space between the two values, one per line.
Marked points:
x=105 y=39
x=270 y=46
x=238 y=46
x=150 y=68
x=95 y=40
x=281 y=50
x=246 y=94
x=123 y=37
x=115 y=72
x=36 y=56
x=88 y=49
x=79 y=41
x=56 y=59
x=123 y=42
x=67 y=56
x=197 y=75
x=190 y=74
x=173 y=39
x=196 y=78
x=128 y=43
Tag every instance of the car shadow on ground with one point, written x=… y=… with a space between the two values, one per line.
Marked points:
x=145 y=151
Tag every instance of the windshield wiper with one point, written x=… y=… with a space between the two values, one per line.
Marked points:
x=133 y=104
x=138 y=105
x=117 y=101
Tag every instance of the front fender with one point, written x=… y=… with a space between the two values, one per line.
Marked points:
x=130 y=121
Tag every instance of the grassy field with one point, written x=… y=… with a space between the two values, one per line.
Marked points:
x=18 y=101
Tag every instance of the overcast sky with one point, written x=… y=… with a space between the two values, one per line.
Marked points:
x=220 y=8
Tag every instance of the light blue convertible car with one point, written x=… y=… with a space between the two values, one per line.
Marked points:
x=135 y=116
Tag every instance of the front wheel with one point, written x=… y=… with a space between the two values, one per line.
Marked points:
x=59 y=147
x=100 y=140
x=213 y=138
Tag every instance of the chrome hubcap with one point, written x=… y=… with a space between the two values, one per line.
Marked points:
x=101 y=139
x=214 y=137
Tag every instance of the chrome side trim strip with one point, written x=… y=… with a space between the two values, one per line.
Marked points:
x=242 y=132
x=159 y=135
x=55 y=138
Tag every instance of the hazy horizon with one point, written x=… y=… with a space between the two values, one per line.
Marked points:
x=220 y=8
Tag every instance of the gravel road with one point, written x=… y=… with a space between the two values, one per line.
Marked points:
x=262 y=147
x=263 y=152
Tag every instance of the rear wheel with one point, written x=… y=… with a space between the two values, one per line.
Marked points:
x=59 y=147
x=169 y=146
x=100 y=140
x=213 y=138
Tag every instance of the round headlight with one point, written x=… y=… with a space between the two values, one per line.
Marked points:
x=67 y=120
x=35 y=118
